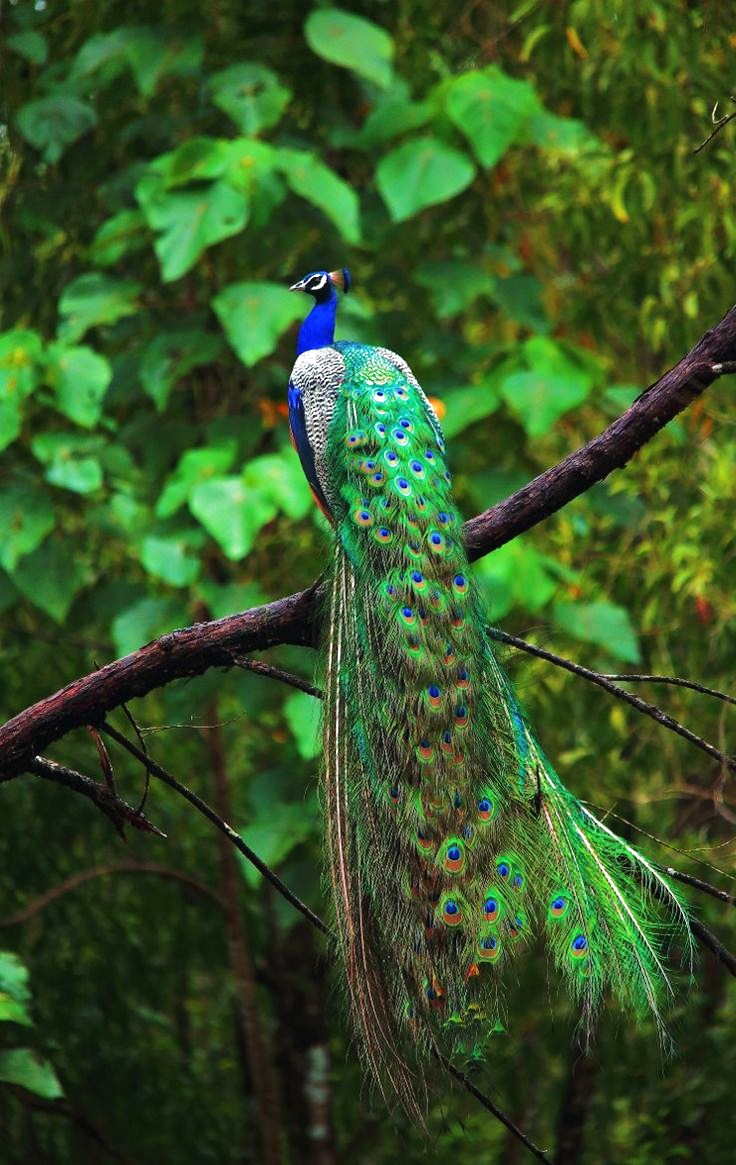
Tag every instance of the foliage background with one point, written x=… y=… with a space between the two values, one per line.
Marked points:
x=514 y=188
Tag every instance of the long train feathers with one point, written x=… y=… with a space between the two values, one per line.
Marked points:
x=451 y=841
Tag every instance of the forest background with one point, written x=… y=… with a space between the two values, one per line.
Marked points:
x=515 y=190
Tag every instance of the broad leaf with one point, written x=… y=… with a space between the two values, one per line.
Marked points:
x=80 y=379
x=195 y=467
x=232 y=513
x=492 y=110
x=69 y=460
x=123 y=234
x=280 y=478
x=419 y=173
x=254 y=316
x=14 y=992
x=317 y=183
x=555 y=383
x=302 y=713
x=51 y=577
x=603 y=623
x=26 y=517
x=251 y=95
x=465 y=406
x=93 y=299
x=27 y=1069
x=352 y=42
x=146 y=619
x=169 y=557
x=53 y=123
x=189 y=221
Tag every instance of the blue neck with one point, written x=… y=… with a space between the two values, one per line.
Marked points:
x=318 y=329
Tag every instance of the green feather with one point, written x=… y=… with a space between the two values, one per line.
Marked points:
x=451 y=840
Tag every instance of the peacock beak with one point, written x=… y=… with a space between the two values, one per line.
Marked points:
x=297 y=286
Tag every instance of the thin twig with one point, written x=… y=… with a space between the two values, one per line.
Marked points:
x=119 y=811
x=276 y=673
x=718 y=125
x=699 y=884
x=708 y=939
x=594 y=677
x=147 y=780
x=540 y=1154
x=675 y=681
x=158 y=771
x=83 y=876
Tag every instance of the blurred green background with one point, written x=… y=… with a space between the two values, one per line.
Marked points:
x=514 y=188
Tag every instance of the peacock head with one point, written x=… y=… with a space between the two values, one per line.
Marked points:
x=321 y=284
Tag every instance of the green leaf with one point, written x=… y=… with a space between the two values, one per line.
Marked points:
x=93 y=299
x=14 y=992
x=492 y=110
x=171 y=356
x=302 y=713
x=352 y=42
x=80 y=378
x=555 y=383
x=26 y=517
x=195 y=467
x=20 y=358
x=251 y=95
x=312 y=180
x=603 y=623
x=453 y=284
x=53 y=123
x=29 y=44
x=517 y=575
x=144 y=621
x=274 y=833
x=520 y=297
x=189 y=221
x=254 y=315
x=280 y=478
x=168 y=557
x=419 y=173
x=26 y=1068
x=562 y=135
x=123 y=234
x=393 y=114
x=68 y=460
x=51 y=577
x=149 y=53
x=465 y=406
x=232 y=513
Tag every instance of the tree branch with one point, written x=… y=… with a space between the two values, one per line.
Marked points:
x=294 y=619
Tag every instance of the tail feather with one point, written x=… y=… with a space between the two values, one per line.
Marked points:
x=451 y=840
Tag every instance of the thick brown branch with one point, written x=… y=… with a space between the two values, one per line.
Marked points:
x=191 y=651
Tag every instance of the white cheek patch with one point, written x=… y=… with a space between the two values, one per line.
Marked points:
x=319 y=284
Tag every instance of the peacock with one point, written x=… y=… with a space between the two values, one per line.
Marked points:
x=451 y=843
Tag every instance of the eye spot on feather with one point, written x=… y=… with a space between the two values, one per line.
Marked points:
x=393 y=794
x=399 y=436
x=448 y=476
x=460 y=584
x=491 y=908
x=463 y=678
x=437 y=600
x=429 y=455
x=418 y=581
x=462 y=716
x=454 y=858
x=417 y=468
x=376 y=479
x=414 y=646
x=380 y=428
x=402 y=486
x=518 y=881
x=390 y=591
x=446 y=741
x=356 y=439
x=489 y=948
x=436 y=542
x=503 y=869
x=424 y=842
x=414 y=548
x=451 y=912
x=457 y=618
x=406 y=425
x=391 y=457
x=449 y=657
x=383 y=535
x=401 y=392
x=486 y=809
x=362 y=517
x=457 y=801
x=559 y=906
x=433 y=697
x=407 y=616
x=579 y=946
x=378 y=395
x=425 y=751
